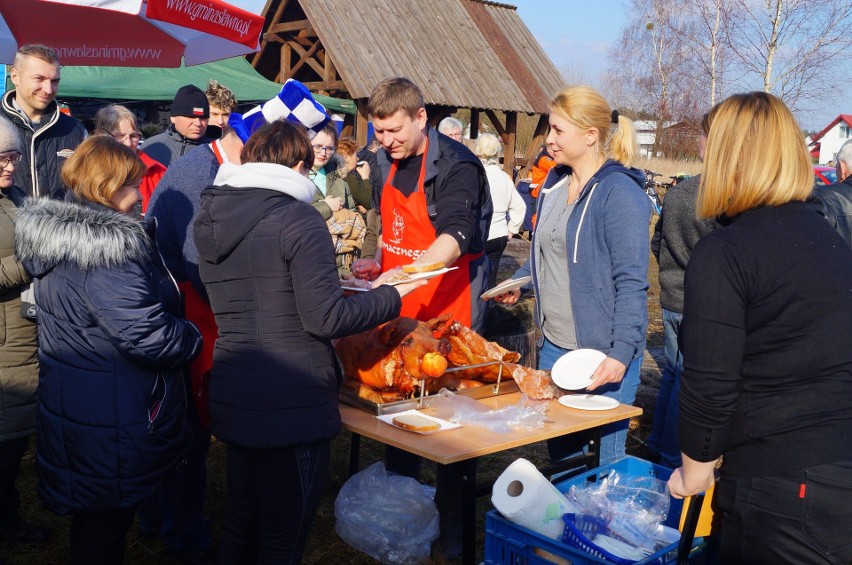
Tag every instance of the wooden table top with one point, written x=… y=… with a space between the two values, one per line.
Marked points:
x=466 y=442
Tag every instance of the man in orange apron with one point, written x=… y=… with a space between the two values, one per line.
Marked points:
x=434 y=207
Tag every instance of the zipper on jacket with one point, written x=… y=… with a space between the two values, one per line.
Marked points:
x=582 y=217
x=157 y=403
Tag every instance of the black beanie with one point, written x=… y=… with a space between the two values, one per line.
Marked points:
x=190 y=102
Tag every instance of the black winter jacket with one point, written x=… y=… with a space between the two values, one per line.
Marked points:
x=266 y=258
x=45 y=149
x=169 y=146
x=111 y=404
x=834 y=203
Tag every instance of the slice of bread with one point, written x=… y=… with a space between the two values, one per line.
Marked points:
x=415 y=423
x=425 y=268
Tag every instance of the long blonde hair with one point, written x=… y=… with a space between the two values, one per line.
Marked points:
x=584 y=107
x=756 y=156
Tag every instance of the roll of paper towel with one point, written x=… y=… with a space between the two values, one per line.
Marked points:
x=524 y=496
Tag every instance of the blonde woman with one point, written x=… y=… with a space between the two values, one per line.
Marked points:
x=767 y=323
x=590 y=251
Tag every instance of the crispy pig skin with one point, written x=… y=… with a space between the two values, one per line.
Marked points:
x=383 y=364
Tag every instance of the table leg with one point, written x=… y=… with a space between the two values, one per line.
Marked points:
x=456 y=501
x=354 y=453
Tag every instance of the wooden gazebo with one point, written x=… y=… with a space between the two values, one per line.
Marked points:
x=462 y=53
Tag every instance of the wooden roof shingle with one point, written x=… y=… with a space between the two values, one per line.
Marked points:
x=461 y=53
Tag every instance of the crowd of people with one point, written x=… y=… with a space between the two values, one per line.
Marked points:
x=161 y=292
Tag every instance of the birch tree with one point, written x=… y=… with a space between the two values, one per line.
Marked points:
x=788 y=47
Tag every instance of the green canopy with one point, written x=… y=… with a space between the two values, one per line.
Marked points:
x=154 y=84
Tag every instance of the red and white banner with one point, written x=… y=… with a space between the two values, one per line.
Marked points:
x=129 y=33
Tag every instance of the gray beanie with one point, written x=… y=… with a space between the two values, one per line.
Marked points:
x=10 y=139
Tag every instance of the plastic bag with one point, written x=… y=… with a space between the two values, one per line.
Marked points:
x=632 y=506
x=391 y=518
x=467 y=411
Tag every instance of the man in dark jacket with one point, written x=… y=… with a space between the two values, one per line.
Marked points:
x=49 y=136
x=834 y=201
x=190 y=112
x=434 y=206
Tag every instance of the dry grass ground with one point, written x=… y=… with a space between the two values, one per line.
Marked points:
x=323 y=545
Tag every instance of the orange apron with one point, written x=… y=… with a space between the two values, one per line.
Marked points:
x=406 y=233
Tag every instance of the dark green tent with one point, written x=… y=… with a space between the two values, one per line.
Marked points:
x=154 y=84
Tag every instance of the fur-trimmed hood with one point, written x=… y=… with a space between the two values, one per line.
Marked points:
x=49 y=232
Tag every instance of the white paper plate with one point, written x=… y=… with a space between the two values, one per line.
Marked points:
x=445 y=425
x=505 y=286
x=588 y=402
x=573 y=371
x=426 y=275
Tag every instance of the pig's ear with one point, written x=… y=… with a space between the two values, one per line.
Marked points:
x=386 y=334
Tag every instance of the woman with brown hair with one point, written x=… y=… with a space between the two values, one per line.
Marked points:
x=120 y=123
x=111 y=406
x=267 y=261
x=767 y=366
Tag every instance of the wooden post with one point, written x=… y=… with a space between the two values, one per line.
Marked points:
x=474 y=123
x=509 y=140
x=361 y=121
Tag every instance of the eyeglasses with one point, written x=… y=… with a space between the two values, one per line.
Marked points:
x=323 y=148
x=135 y=136
x=13 y=159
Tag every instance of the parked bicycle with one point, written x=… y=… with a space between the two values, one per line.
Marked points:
x=651 y=191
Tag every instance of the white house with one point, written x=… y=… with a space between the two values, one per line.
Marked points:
x=825 y=145
x=646 y=134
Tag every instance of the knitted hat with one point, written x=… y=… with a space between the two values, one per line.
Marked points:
x=190 y=102
x=10 y=139
x=294 y=103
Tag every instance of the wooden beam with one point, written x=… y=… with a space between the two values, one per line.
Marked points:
x=298 y=25
x=495 y=121
x=277 y=17
x=284 y=63
x=361 y=121
x=509 y=141
x=333 y=85
x=305 y=56
x=329 y=72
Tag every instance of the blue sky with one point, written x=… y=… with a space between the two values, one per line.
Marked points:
x=576 y=34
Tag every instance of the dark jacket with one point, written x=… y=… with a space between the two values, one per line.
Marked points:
x=111 y=422
x=675 y=235
x=767 y=323
x=460 y=210
x=18 y=358
x=607 y=239
x=267 y=260
x=166 y=147
x=834 y=203
x=45 y=149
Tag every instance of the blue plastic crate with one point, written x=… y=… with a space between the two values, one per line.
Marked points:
x=509 y=543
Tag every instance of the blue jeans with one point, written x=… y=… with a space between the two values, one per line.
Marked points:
x=664 y=439
x=613 y=436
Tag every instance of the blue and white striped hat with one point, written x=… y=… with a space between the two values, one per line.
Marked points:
x=294 y=103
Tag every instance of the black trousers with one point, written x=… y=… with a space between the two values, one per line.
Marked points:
x=11 y=453
x=273 y=495
x=100 y=538
x=800 y=517
x=494 y=249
